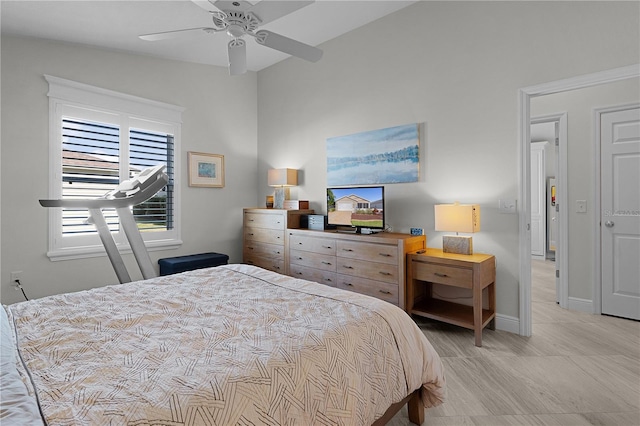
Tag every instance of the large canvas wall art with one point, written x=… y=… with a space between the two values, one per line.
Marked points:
x=388 y=155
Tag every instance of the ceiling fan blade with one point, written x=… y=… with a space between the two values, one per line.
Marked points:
x=177 y=34
x=288 y=45
x=270 y=10
x=211 y=8
x=237 y=56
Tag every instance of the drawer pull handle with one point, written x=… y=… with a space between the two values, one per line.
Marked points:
x=384 y=292
x=328 y=279
x=438 y=274
x=298 y=257
x=299 y=273
x=327 y=247
x=299 y=244
x=348 y=267
x=277 y=252
x=384 y=254
x=251 y=220
x=326 y=263
x=347 y=250
x=385 y=273
x=349 y=284
x=251 y=233
x=250 y=248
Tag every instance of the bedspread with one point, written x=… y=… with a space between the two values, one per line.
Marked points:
x=227 y=345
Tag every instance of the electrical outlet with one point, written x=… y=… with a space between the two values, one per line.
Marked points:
x=417 y=231
x=16 y=276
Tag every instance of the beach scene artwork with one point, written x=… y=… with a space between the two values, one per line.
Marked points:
x=388 y=155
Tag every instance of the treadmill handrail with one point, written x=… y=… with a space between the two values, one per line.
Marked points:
x=100 y=203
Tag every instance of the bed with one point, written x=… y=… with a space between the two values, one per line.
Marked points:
x=230 y=345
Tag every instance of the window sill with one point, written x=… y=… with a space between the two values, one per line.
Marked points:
x=74 y=253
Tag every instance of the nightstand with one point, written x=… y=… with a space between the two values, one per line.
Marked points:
x=474 y=272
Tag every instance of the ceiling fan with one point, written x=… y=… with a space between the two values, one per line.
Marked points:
x=239 y=18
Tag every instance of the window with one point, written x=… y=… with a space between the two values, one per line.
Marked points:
x=100 y=138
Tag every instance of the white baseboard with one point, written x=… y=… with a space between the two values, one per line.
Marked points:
x=582 y=305
x=507 y=323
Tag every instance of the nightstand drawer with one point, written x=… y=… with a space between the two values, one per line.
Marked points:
x=443 y=274
x=258 y=220
x=270 y=236
x=313 y=260
x=316 y=245
x=312 y=274
x=381 y=290
x=367 y=269
x=370 y=252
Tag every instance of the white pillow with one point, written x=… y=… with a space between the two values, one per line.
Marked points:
x=17 y=407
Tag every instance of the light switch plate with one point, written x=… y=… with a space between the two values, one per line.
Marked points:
x=507 y=206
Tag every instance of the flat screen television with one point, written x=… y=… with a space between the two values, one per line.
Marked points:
x=356 y=207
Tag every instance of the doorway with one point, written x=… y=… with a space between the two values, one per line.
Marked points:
x=524 y=215
x=553 y=129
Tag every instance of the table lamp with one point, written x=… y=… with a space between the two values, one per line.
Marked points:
x=457 y=218
x=281 y=179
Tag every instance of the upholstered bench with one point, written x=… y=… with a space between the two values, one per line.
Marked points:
x=173 y=265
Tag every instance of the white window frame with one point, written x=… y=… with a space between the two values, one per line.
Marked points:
x=68 y=97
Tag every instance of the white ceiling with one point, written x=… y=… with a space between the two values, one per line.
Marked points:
x=116 y=25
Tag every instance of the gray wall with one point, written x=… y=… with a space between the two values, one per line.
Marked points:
x=220 y=117
x=456 y=67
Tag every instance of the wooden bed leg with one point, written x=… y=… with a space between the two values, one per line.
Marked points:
x=416 y=409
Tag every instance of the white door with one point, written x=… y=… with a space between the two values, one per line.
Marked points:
x=538 y=200
x=620 y=212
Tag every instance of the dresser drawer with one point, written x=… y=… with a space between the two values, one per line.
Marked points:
x=275 y=265
x=368 y=251
x=313 y=260
x=312 y=274
x=443 y=274
x=256 y=248
x=367 y=269
x=381 y=290
x=270 y=236
x=316 y=245
x=261 y=220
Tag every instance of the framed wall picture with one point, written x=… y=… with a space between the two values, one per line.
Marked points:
x=206 y=170
x=389 y=155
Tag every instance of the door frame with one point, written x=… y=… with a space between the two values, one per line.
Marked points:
x=524 y=176
x=597 y=219
x=562 y=216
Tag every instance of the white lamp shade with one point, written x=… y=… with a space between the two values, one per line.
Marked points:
x=282 y=177
x=457 y=217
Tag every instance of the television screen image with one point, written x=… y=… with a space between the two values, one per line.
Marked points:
x=356 y=206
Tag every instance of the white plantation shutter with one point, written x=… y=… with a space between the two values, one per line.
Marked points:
x=97 y=146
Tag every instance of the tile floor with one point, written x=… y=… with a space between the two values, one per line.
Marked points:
x=576 y=368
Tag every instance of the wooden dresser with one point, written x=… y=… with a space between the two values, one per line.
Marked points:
x=265 y=238
x=371 y=264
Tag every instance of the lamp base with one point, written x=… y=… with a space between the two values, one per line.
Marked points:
x=281 y=194
x=457 y=244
